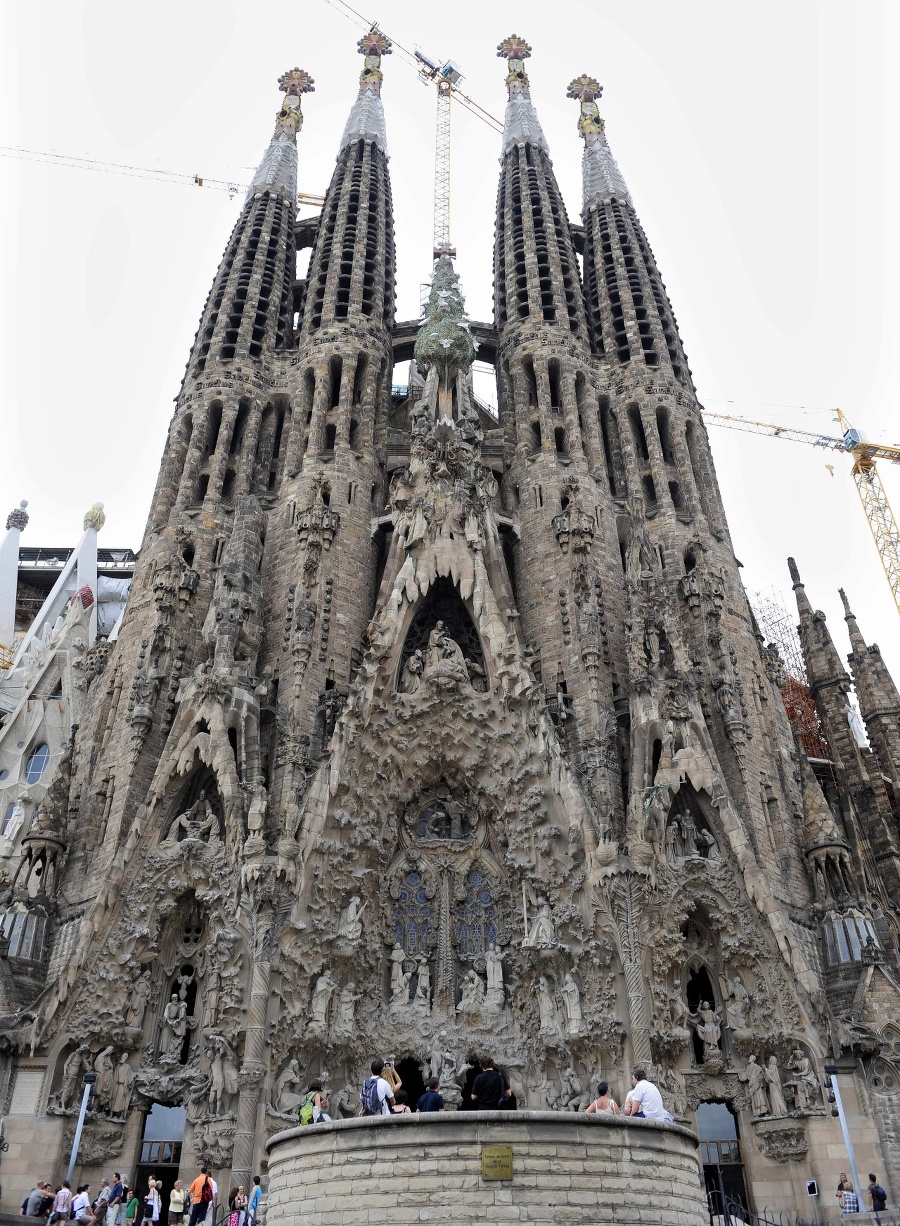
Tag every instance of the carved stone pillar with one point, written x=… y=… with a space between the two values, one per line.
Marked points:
x=253 y=1066
x=627 y=891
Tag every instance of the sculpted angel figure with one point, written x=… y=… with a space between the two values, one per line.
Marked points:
x=350 y=923
x=542 y=933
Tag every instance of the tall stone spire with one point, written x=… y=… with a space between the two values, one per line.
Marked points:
x=351 y=272
x=520 y=125
x=879 y=700
x=249 y=308
x=631 y=317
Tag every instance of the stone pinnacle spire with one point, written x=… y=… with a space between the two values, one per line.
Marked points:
x=602 y=179
x=521 y=125
x=366 y=118
x=278 y=169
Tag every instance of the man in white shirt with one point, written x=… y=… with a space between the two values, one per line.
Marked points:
x=382 y=1090
x=645 y=1101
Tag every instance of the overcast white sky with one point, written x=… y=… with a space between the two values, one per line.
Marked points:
x=759 y=143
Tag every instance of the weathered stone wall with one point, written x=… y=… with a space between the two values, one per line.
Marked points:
x=427 y=1168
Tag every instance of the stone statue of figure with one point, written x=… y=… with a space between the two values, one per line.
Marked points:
x=321 y=998
x=138 y=997
x=572 y=1002
x=199 y=822
x=494 y=966
x=444 y=657
x=71 y=1079
x=547 y=1008
x=709 y=1029
x=223 y=1073
x=472 y=993
x=399 y=978
x=542 y=934
x=776 y=1094
x=175 y=1026
x=103 y=1087
x=285 y=1100
x=688 y=834
x=678 y=1009
x=805 y=1083
x=123 y=1083
x=343 y=1022
x=672 y=836
x=757 y=1084
x=736 y=1007
x=423 y=983
x=412 y=672
x=350 y=925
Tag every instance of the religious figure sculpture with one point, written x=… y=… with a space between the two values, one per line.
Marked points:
x=444 y=660
x=323 y=991
x=138 y=997
x=399 y=977
x=776 y=1093
x=412 y=672
x=547 y=1008
x=422 y=998
x=757 y=1084
x=198 y=822
x=708 y=1027
x=494 y=967
x=285 y=1099
x=343 y=1022
x=71 y=1079
x=175 y=1028
x=223 y=1073
x=737 y=1003
x=542 y=934
x=103 y=1087
x=573 y=1096
x=350 y=923
x=804 y=1083
x=122 y=1085
x=572 y=1001
x=472 y=998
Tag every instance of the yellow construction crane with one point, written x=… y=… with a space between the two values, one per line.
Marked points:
x=871 y=492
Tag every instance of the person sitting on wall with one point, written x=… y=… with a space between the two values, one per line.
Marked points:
x=645 y=1101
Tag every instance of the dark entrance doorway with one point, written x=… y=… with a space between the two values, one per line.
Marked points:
x=160 y=1152
x=722 y=1158
x=409 y=1070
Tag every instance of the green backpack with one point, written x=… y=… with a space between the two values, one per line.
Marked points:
x=307 y=1110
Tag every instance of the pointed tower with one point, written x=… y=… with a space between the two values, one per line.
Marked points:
x=879 y=700
x=224 y=437
x=654 y=440
x=858 y=772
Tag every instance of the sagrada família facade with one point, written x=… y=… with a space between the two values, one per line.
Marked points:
x=430 y=732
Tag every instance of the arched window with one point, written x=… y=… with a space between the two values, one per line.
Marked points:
x=37 y=763
x=25 y=932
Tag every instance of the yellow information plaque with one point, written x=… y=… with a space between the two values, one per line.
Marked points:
x=496 y=1162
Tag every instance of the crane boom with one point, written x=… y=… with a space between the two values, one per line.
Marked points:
x=872 y=494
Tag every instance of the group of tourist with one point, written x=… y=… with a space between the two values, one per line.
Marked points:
x=382 y=1094
x=849 y=1201
x=117 y=1205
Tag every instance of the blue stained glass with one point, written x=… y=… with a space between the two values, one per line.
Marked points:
x=476 y=918
x=412 y=915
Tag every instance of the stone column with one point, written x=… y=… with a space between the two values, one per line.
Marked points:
x=627 y=892
x=253 y=1065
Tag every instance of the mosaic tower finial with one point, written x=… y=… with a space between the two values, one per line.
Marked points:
x=373 y=46
x=292 y=83
x=516 y=51
x=587 y=90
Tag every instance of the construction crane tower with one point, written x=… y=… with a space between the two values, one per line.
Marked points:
x=872 y=495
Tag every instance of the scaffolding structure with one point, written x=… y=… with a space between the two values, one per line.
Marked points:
x=778 y=627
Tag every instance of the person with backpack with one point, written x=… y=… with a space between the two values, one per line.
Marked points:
x=312 y=1109
x=489 y=1088
x=377 y=1095
x=201 y=1193
x=877 y=1195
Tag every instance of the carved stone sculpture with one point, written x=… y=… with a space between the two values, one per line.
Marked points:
x=708 y=1026
x=547 y=1008
x=71 y=1079
x=350 y=923
x=542 y=934
x=344 y=1021
x=324 y=989
x=571 y=995
x=756 y=1079
x=138 y=997
x=804 y=1083
x=284 y=1097
x=778 y=1106
x=472 y=999
x=175 y=1027
x=223 y=1073
x=495 y=994
x=103 y=1086
x=123 y=1084
x=422 y=999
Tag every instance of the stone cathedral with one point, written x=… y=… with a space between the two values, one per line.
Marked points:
x=435 y=733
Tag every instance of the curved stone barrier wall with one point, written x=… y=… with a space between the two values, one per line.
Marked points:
x=428 y=1168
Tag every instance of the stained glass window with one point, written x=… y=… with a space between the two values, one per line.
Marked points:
x=476 y=918
x=412 y=915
